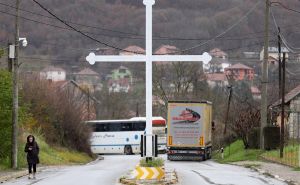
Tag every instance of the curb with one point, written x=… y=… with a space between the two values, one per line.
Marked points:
x=173 y=179
x=263 y=172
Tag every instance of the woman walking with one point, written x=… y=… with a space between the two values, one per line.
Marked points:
x=32 y=149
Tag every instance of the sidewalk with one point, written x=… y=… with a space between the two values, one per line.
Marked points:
x=277 y=171
x=14 y=174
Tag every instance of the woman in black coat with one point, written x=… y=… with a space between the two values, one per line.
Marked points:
x=32 y=149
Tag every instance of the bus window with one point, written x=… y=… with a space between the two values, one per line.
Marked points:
x=115 y=127
x=100 y=127
x=126 y=126
x=139 y=126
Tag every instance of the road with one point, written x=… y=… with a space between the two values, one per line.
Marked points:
x=107 y=172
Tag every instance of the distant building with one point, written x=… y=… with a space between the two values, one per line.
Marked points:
x=218 y=53
x=292 y=104
x=218 y=62
x=216 y=79
x=240 y=72
x=132 y=50
x=120 y=85
x=120 y=80
x=88 y=77
x=273 y=52
x=256 y=93
x=52 y=73
x=251 y=54
x=166 y=49
x=121 y=73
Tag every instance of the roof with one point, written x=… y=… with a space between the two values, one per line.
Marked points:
x=132 y=48
x=217 y=52
x=52 y=68
x=164 y=49
x=239 y=66
x=87 y=71
x=216 y=77
x=288 y=97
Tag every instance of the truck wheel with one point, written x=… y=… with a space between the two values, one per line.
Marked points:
x=209 y=154
x=128 y=150
x=204 y=156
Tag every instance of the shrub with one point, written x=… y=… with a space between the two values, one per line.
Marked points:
x=155 y=162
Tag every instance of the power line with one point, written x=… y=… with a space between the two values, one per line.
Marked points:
x=82 y=33
x=224 y=32
x=290 y=48
x=286 y=7
x=79 y=24
x=121 y=36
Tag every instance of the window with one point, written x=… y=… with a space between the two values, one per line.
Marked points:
x=139 y=126
x=119 y=126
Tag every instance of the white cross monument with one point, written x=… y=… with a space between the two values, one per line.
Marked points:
x=149 y=58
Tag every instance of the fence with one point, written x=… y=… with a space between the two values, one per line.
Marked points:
x=291 y=152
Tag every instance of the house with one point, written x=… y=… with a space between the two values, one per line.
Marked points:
x=292 y=104
x=88 y=77
x=218 y=53
x=121 y=73
x=218 y=62
x=256 y=93
x=240 y=72
x=251 y=54
x=273 y=52
x=120 y=80
x=132 y=50
x=216 y=79
x=52 y=73
x=119 y=85
x=166 y=49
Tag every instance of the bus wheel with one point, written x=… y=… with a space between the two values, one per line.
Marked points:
x=128 y=150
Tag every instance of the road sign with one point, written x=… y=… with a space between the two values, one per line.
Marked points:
x=148 y=173
x=149 y=58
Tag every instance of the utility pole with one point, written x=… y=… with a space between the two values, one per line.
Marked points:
x=282 y=107
x=279 y=62
x=14 y=152
x=88 y=96
x=264 y=81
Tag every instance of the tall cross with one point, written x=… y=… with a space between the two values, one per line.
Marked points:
x=148 y=58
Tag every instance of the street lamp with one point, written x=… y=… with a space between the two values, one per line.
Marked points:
x=24 y=41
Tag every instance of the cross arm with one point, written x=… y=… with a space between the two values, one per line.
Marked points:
x=92 y=58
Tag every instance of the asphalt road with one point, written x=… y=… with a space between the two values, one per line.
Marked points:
x=212 y=173
x=107 y=172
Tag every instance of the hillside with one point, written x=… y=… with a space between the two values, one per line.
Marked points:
x=174 y=21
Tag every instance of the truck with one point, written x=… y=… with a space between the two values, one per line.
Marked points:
x=189 y=130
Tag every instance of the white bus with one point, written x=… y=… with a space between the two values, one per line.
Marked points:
x=159 y=129
x=116 y=136
x=124 y=136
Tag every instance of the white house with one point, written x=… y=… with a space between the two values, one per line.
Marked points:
x=273 y=52
x=52 y=73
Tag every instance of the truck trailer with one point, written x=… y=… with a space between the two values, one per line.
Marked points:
x=189 y=130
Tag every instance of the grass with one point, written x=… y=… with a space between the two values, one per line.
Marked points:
x=155 y=162
x=236 y=152
x=290 y=156
x=48 y=155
